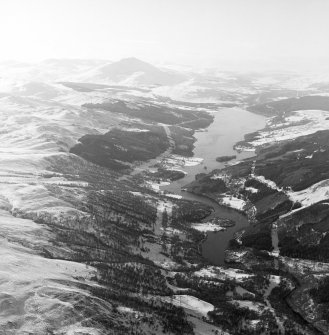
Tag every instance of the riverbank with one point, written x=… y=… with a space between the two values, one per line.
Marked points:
x=230 y=125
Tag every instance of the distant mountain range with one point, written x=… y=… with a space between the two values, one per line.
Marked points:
x=128 y=71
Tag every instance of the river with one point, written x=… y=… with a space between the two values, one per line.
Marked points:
x=229 y=126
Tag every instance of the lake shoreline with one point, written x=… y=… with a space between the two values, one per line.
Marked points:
x=219 y=140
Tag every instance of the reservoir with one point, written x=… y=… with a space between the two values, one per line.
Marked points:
x=229 y=127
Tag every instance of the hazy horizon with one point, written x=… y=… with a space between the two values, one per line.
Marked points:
x=254 y=34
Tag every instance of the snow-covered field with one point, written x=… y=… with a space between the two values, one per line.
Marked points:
x=312 y=194
x=191 y=303
x=300 y=123
x=233 y=202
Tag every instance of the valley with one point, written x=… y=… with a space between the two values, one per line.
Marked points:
x=161 y=203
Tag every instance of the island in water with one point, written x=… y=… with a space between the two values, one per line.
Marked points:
x=224 y=159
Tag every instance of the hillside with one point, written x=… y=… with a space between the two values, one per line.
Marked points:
x=102 y=248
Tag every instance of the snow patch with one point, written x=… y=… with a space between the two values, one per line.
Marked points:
x=191 y=303
x=207 y=226
x=233 y=202
x=175 y=196
x=312 y=194
x=251 y=189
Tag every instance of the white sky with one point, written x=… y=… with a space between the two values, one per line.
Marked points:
x=183 y=31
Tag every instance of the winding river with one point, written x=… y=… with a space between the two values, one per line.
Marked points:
x=229 y=126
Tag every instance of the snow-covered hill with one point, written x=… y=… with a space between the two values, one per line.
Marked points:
x=133 y=72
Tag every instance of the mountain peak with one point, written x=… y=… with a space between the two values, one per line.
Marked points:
x=131 y=59
x=134 y=64
x=133 y=69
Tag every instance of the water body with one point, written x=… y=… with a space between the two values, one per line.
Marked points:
x=229 y=126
